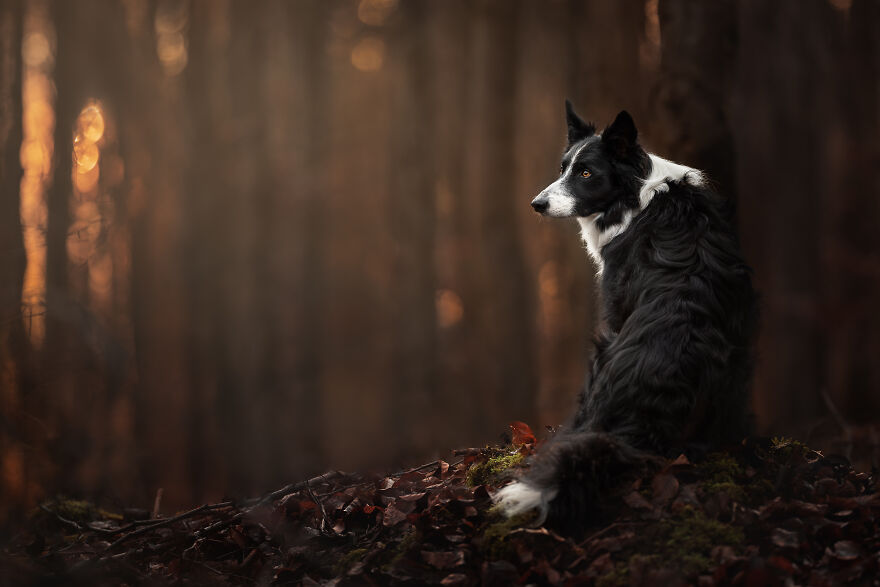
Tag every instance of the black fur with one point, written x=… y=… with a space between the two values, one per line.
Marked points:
x=672 y=361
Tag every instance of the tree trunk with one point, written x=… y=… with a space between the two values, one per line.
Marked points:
x=784 y=47
x=690 y=99
x=505 y=311
x=14 y=344
x=412 y=210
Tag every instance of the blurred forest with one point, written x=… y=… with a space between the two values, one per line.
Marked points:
x=243 y=242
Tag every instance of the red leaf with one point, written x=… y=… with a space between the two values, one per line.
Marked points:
x=522 y=434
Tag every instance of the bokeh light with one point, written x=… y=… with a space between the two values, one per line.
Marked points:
x=172 y=18
x=91 y=123
x=368 y=54
x=375 y=12
x=449 y=308
x=35 y=49
x=86 y=154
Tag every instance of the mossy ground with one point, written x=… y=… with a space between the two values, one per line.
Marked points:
x=683 y=542
x=495 y=468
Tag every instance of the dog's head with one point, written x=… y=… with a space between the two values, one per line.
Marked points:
x=599 y=173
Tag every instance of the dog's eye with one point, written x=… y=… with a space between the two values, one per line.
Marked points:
x=586 y=173
x=561 y=167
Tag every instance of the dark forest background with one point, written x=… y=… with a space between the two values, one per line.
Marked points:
x=243 y=242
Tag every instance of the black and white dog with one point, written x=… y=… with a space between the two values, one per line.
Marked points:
x=672 y=361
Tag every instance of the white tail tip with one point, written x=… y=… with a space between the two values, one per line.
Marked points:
x=519 y=497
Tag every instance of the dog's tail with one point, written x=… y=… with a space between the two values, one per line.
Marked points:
x=574 y=480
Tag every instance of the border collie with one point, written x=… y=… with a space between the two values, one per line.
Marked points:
x=672 y=357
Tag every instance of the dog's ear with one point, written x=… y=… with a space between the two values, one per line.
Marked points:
x=577 y=128
x=621 y=135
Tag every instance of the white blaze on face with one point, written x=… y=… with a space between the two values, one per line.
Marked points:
x=560 y=201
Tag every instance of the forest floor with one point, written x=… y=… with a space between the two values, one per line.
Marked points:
x=771 y=512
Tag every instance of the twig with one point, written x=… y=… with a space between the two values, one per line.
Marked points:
x=169 y=521
x=607 y=529
x=325 y=523
x=157 y=503
x=278 y=494
x=398 y=474
x=61 y=518
x=841 y=421
x=468 y=452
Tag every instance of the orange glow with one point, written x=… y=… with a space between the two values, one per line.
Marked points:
x=86 y=154
x=101 y=278
x=375 y=12
x=170 y=25
x=38 y=126
x=841 y=5
x=91 y=123
x=649 y=48
x=85 y=180
x=548 y=280
x=368 y=54
x=13 y=471
x=449 y=308
x=35 y=49
x=34 y=158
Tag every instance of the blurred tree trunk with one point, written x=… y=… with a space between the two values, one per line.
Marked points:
x=604 y=39
x=412 y=207
x=249 y=407
x=15 y=371
x=690 y=99
x=310 y=25
x=784 y=47
x=506 y=306
x=562 y=274
x=851 y=215
x=63 y=354
x=213 y=419
x=152 y=128
x=458 y=378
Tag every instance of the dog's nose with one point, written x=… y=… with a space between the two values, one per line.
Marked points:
x=540 y=204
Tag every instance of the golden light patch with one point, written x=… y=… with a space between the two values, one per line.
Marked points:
x=449 y=308
x=368 y=54
x=91 y=123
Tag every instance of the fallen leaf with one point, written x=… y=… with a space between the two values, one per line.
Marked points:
x=522 y=434
x=846 y=550
x=664 y=487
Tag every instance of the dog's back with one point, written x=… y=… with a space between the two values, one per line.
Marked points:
x=672 y=359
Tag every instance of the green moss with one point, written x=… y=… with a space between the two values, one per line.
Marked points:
x=494 y=541
x=720 y=467
x=350 y=558
x=619 y=577
x=491 y=470
x=684 y=542
x=783 y=448
x=403 y=548
x=687 y=540
x=722 y=473
x=73 y=509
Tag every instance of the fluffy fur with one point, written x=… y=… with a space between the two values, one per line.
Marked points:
x=672 y=357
